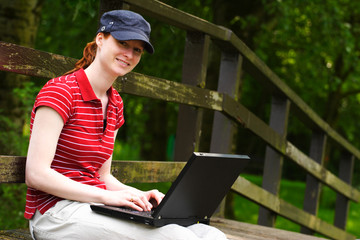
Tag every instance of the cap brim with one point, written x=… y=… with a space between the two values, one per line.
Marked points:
x=128 y=35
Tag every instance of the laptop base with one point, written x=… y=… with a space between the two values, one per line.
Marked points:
x=139 y=217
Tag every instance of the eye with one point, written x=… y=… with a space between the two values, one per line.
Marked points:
x=138 y=50
x=123 y=43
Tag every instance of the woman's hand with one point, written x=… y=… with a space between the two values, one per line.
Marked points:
x=154 y=197
x=133 y=198
x=119 y=194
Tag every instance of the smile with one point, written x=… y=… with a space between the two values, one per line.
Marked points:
x=122 y=62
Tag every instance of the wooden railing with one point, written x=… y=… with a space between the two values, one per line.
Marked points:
x=193 y=98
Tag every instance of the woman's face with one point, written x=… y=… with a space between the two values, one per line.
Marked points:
x=118 y=57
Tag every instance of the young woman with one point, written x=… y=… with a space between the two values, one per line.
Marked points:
x=74 y=123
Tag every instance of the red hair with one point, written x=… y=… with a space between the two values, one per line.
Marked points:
x=89 y=55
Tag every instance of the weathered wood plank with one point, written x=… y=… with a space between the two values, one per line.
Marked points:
x=234 y=230
x=157 y=88
x=15 y=234
x=244 y=231
x=12 y=170
x=321 y=173
x=146 y=171
x=224 y=128
x=346 y=172
x=28 y=61
x=168 y=14
x=273 y=164
x=189 y=121
x=313 y=185
x=273 y=203
x=248 y=120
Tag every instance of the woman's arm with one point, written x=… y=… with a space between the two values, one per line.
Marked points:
x=46 y=130
x=45 y=134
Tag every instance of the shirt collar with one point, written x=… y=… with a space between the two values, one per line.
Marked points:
x=87 y=91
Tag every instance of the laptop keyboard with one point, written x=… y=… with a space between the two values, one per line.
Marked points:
x=140 y=213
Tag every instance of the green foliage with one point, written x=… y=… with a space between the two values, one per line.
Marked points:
x=12 y=198
x=67 y=32
x=313 y=47
x=126 y=151
x=12 y=142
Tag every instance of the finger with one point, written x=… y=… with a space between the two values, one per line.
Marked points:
x=146 y=202
x=140 y=202
x=157 y=196
x=134 y=206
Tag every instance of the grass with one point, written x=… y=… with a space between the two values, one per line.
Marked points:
x=13 y=198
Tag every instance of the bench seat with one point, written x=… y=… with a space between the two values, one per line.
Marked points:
x=234 y=230
x=15 y=234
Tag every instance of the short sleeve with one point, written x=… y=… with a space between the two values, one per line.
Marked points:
x=57 y=95
x=120 y=120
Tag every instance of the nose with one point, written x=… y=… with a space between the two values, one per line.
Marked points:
x=128 y=52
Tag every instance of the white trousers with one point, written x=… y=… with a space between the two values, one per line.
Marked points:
x=75 y=220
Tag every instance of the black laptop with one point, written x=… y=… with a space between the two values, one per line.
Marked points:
x=194 y=195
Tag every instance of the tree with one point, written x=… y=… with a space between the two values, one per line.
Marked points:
x=19 y=21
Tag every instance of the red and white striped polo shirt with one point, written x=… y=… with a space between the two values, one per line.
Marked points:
x=83 y=144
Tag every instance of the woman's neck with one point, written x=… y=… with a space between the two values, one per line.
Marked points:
x=99 y=80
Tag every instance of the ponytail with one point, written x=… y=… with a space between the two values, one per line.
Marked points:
x=89 y=54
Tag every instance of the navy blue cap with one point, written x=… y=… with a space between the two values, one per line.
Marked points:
x=125 y=25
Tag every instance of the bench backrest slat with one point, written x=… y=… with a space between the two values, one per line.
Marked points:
x=27 y=61
x=12 y=170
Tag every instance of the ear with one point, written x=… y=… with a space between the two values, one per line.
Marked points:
x=99 y=39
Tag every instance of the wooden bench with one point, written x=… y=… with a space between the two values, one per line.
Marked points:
x=12 y=170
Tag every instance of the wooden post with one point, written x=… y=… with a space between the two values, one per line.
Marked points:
x=229 y=80
x=313 y=186
x=224 y=129
x=346 y=169
x=194 y=73
x=273 y=164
